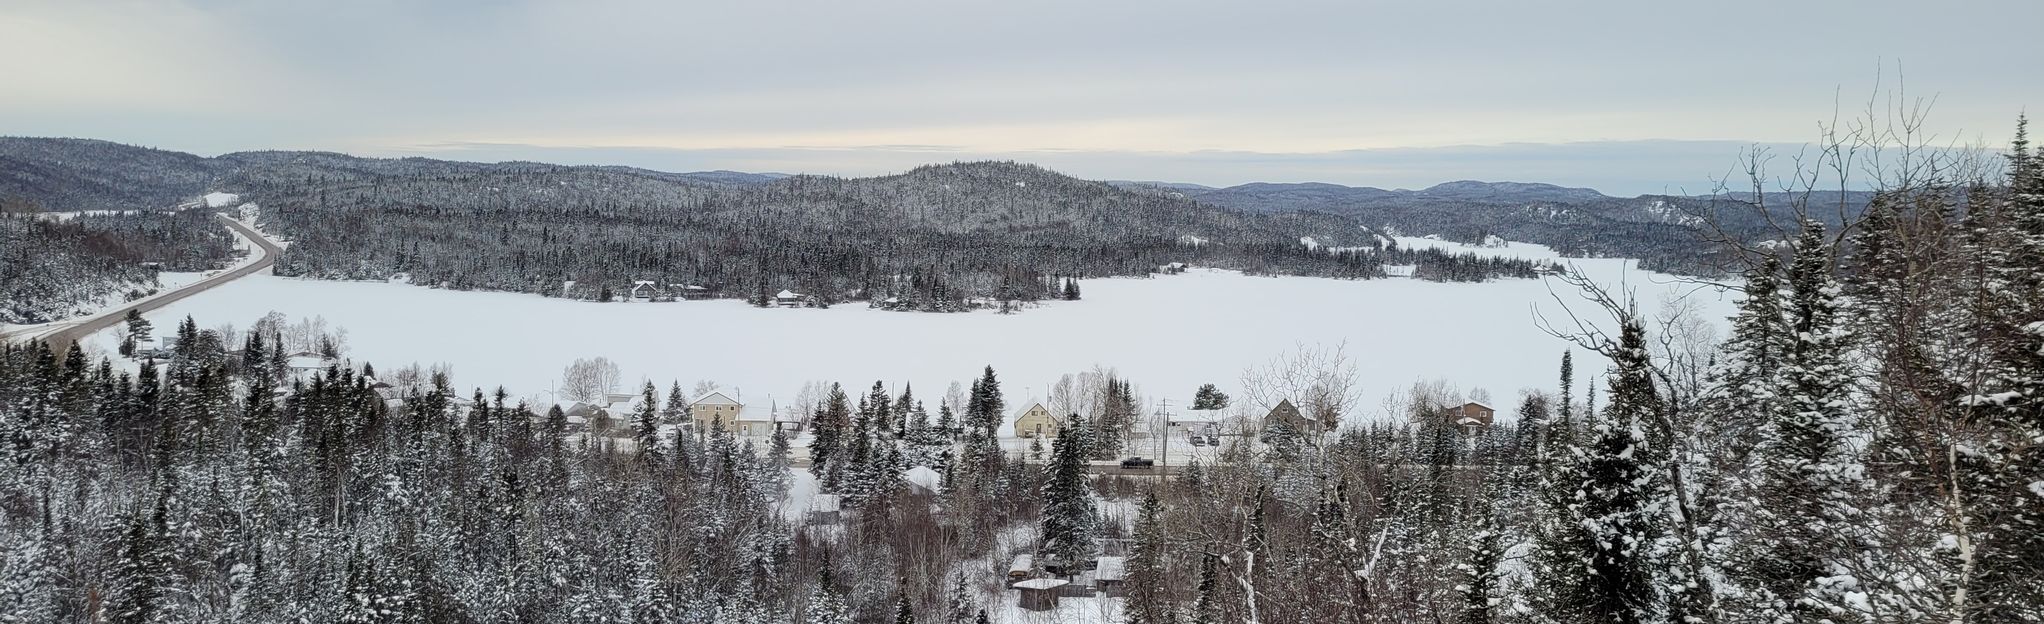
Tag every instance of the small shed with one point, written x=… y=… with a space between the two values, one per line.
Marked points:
x=1040 y=594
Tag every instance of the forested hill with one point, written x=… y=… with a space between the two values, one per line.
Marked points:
x=933 y=238
x=1666 y=232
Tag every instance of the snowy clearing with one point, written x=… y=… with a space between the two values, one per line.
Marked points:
x=1169 y=334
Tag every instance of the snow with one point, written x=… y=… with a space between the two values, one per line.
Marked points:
x=1168 y=334
x=1309 y=242
x=221 y=200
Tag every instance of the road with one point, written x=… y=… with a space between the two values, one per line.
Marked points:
x=61 y=340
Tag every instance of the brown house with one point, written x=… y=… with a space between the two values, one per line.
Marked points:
x=1289 y=414
x=1471 y=415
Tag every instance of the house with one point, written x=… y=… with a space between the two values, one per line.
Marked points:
x=688 y=291
x=644 y=290
x=1035 y=421
x=792 y=299
x=391 y=396
x=1289 y=414
x=1471 y=415
x=734 y=417
x=1040 y=594
x=1199 y=421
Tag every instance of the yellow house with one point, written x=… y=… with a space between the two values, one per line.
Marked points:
x=1034 y=421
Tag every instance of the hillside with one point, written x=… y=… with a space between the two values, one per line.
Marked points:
x=1664 y=231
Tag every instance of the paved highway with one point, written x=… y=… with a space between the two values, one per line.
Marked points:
x=72 y=331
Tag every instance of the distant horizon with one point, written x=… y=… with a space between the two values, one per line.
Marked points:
x=1095 y=166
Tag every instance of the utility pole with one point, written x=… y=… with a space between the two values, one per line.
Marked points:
x=1164 y=457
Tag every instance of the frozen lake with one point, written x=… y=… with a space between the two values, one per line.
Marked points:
x=1168 y=334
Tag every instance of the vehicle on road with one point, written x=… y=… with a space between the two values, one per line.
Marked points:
x=1138 y=463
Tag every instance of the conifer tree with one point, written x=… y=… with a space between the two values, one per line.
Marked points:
x=646 y=426
x=1069 y=516
x=1148 y=599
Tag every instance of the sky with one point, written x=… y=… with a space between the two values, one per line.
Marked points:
x=1625 y=96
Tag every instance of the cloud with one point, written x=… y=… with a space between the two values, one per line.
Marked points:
x=1227 y=89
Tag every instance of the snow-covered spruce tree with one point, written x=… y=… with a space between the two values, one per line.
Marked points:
x=2005 y=474
x=1803 y=513
x=646 y=426
x=961 y=605
x=1621 y=496
x=1481 y=578
x=1148 y=599
x=1070 y=519
x=676 y=411
x=1560 y=540
x=830 y=424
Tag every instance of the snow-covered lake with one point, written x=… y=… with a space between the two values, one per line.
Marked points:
x=1168 y=334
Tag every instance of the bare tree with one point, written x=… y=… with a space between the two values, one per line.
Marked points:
x=1319 y=380
x=589 y=379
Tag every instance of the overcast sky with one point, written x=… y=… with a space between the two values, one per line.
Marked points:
x=1625 y=96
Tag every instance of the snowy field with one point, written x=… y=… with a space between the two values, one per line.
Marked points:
x=1169 y=334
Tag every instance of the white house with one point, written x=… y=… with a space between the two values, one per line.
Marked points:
x=643 y=290
x=1201 y=421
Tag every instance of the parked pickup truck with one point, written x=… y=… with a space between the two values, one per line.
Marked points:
x=1138 y=463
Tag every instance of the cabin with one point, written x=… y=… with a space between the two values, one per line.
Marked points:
x=792 y=299
x=688 y=291
x=643 y=290
x=1040 y=594
x=1289 y=414
x=1470 y=416
x=1110 y=576
x=1034 y=421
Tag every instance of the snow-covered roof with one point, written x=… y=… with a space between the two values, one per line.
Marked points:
x=1481 y=405
x=306 y=362
x=1026 y=409
x=788 y=294
x=923 y=477
x=715 y=398
x=1109 y=569
x=1043 y=583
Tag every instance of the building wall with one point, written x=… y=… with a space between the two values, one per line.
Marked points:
x=1029 y=423
x=726 y=415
